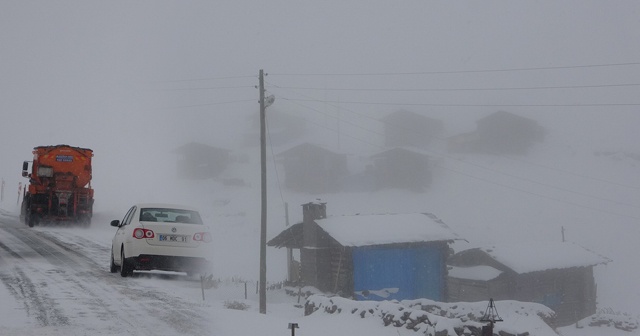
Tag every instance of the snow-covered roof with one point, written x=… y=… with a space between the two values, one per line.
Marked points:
x=365 y=230
x=539 y=256
x=481 y=273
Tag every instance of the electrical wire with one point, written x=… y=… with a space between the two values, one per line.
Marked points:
x=463 y=89
x=327 y=128
x=210 y=88
x=206 y=79
x=273 y=156
x=444 y=156
x=210 y=104
x=540 y=195
x=468 y=105
x=461 y=71
x=444 y=140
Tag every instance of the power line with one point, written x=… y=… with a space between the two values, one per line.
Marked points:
x=206 y=79
x=540 y=183
x=468 y=105
x=325 y=127
x=275 y=166
x=573 y=173
x=494 y=171
x=211 y=104
x=446 y=156
x=445 y=140
x=539 y=195
x=344 y=121
x=460 y=71
x=462 y=89
x=211 y=88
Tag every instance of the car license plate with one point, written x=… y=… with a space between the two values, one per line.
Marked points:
x=173 y=238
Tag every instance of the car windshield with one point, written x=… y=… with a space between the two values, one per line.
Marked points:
x=169 y=215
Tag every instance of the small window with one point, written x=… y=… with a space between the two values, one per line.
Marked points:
x=45 y=171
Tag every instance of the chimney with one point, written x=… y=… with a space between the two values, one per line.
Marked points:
x=314 y=210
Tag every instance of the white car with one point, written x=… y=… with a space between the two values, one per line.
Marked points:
x=163 y=237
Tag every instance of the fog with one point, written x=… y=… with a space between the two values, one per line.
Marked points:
x=134 y=75
x=135 y=80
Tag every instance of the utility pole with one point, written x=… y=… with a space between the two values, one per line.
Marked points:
x=263 y=221
x=289 y=250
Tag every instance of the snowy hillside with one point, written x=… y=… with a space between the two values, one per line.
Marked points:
x=564 y=183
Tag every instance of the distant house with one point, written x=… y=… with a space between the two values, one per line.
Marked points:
x=405 y=128
x=313 y=169
x=199 y=161
x=372 y=257
x=499 y=133
x=401 y=168
x=558 y=275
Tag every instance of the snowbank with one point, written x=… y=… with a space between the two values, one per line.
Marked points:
x=437 y=318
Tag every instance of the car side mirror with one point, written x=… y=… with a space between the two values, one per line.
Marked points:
x=115 y=223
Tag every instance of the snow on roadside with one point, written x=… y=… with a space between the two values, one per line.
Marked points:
x=427 y=316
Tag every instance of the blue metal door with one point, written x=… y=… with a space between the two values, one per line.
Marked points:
x=397 y=274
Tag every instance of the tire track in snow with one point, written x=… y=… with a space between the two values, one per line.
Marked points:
x=179 y=314
x=115 y=304
x=35 y=302
x=34 y=294
x=42 y=247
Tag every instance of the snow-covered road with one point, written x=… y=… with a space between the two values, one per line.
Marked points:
x=60 y=281
x=55 y=281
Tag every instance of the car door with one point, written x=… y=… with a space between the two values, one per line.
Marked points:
x=121 y=234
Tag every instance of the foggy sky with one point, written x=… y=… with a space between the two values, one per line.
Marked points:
x=134 y=79
x=111 y=75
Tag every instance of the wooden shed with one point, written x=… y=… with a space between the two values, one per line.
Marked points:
x=199 y=161
x=313 y=169
x=405 y=128
x=372 y=257
x=558 y=275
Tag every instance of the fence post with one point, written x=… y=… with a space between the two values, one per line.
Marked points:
x=202 y=285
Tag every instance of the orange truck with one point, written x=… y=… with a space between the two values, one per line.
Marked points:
x=59 y=188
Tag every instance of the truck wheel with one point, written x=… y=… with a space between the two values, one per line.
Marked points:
x=31 y=220
x=84 y=221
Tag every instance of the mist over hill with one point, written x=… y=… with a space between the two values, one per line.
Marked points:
x=133 y=82
x=578 y=182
